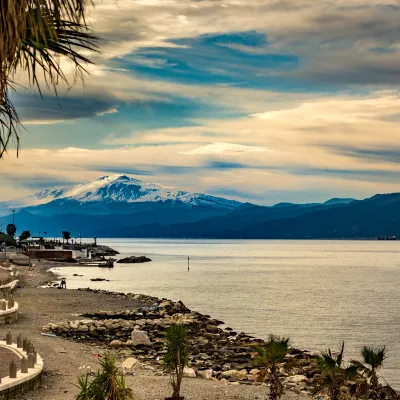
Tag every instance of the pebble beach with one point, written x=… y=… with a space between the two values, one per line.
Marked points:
x=67 y=358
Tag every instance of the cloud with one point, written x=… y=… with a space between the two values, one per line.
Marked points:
x=109 y=111
x=335 y=40
x=34 y=110
x=273 y=97
x=224 y=148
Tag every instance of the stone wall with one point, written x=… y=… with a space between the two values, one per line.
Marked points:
x=10 y=315
x=58 y=255
x=6 y=290
x=24 y=381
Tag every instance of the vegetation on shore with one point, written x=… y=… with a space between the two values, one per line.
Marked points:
x=108 y=383
x=176 y=357
x=271 y=356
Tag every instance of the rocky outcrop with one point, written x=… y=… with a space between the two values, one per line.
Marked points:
x=215 y=352
x=101 y=251
x=133 y=260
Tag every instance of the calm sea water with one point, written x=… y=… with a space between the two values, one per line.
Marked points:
x=317 y=292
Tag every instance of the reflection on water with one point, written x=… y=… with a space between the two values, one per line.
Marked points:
x=316 y=292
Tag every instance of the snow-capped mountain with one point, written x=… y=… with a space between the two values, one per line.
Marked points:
x=123 y=189
x=109 y=205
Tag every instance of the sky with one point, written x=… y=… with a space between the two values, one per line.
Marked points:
x=255 y=100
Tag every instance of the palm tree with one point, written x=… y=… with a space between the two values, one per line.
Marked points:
x=270 y=356
x=11 y=229
x=24 y=235
x=177 y=356
x=66 y=235
x=108 y=383
x=372 y=362
x=333 y=373
x=34 y=36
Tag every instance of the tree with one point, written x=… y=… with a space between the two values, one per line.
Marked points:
x=108 y=383
x=372 y=362
x=66 y=235
x=34 y=36
x=333 y=373
x=24 y=235
x=11 y=229
x=177 y=356
x=270 y=356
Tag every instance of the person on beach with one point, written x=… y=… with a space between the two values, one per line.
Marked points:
x=63 y=283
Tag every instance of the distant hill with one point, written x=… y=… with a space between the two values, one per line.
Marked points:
x=119 y=206
x=338 y=201
x=370 y=218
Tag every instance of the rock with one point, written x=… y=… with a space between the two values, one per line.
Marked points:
x=140 y=338
x=254 y=371
x=241 y=375
x=99 y=279
x=207 y=374
x=116 y=343
x=83 y=328
x=344 y=389
x=130 y=363
x=229 y=374
x=133 y=260
x=189 y=372
x=298 y=378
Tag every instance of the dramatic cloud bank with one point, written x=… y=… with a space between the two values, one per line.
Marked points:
x=257 y=100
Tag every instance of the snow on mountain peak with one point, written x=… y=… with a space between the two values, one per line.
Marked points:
x=122 y=188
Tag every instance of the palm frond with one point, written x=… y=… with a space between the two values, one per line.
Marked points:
x=373 y=357
x=34 y=36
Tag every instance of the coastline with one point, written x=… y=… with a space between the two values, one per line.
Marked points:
x=65 y=360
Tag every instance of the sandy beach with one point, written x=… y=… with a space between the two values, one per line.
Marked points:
x=65 y=360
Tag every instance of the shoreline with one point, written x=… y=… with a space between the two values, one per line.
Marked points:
x=65 y=360
x=222 y=356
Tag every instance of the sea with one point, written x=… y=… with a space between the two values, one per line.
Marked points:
x=319 y=293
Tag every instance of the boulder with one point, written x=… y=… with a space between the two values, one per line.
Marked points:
x=116 y=343
x=130 y=363
x=83 y=328
x=229 y=374
x=140 y=338
x=298 y=378
x=207 y=374
x=241 y=375
x=189 y=372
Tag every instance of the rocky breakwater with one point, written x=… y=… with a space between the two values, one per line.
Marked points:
x=215 y=352
x=101 y=251
x=134 y=260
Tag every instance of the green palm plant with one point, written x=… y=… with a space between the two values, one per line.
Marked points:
x=333 y=373
x=34 y=36
x=177 y=356
x=372 y=362
x=270 y=356
x=108 y=383
x=83 y=385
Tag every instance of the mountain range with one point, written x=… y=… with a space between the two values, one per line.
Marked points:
x=120 y=206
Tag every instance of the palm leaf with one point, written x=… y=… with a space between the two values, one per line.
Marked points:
x=34 y=34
